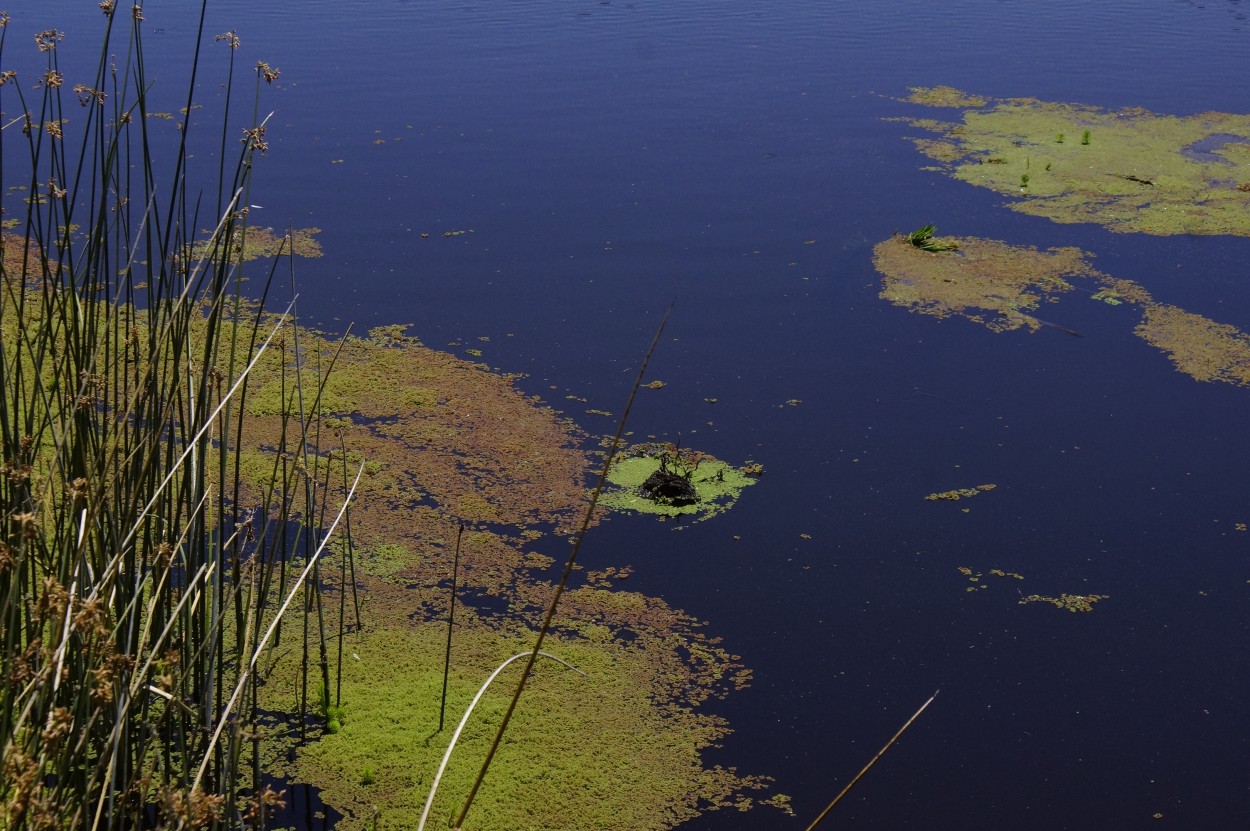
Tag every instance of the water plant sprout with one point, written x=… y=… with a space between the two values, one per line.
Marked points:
x=923 y=239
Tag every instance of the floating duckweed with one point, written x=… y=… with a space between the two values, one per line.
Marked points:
x=622 y=749
x=583 y=751
x=943 y=96
x=1071 y=602
x=1197 y=346
x=1011 y=281
x=257 y=243
x=1148 y=173
x=986 y=281
x=962 y=493
x=974 y=577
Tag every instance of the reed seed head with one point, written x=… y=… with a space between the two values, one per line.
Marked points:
x=48 y=39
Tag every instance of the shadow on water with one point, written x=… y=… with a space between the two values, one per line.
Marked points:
x=304 y=809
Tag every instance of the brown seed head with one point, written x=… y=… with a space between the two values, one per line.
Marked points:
x=48 y=39
x=86 y=94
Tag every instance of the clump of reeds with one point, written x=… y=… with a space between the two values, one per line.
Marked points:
x=923 y=239
x=138 y=591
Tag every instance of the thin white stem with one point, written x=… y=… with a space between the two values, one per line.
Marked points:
x=260 y=646
x=429 y=800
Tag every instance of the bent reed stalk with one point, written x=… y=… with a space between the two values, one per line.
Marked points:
x=455 y=736
x=140 y=582
x=609 y=457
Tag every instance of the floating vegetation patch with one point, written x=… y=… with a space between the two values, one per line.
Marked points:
x=977 y=580
x=989 y=282
x=962 y=493
x=659 y=478
x=1197 y=346
x=1071 y=602
x=600 y=750
x=1129 y=170
x=1000 y=286
x=943 y=96
x=447 y=443
x=256 y=243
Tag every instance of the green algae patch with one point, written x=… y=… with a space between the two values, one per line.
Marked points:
x=586 y=751
x=1000 y=286
x=1129 y=170
x=253 y=243
x=447 y=444
x=959 y=493
x=713 y=485
x=986 y=281
x=943 y=96
x=1196 y=345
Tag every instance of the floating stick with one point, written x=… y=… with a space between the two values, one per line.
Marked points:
x=451 y=617
x=880 y=753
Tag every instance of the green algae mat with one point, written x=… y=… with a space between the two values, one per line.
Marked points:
x=1129 y=170
x=447 y=443
x=1006 y=287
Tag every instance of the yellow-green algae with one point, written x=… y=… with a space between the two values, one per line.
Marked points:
x=599 y=751
x=253 y=243
x=960 y=493
x=1198 y=346
x=998 y=285
x=717 y=484
x=986 y=281
x=1129 y=169
x=1071 y=602
x=449 y=443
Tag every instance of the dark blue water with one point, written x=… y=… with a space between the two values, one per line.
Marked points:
x=609 y=157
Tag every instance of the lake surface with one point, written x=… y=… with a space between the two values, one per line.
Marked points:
x=609 y=157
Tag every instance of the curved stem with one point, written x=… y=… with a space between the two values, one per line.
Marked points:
x=429 y=800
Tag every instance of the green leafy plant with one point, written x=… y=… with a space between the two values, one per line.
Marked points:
x=923 y=239
x=1059 y=139
x=1085 y=137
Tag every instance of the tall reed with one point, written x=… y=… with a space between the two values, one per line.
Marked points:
x=137 y=595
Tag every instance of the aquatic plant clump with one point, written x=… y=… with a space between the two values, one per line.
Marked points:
x=584 y=751
x=989 y=282
x=1198 y=346
x=664 y=480
x=923 y=239
x=1131 y=170
x=426 y=424
x=250 y=243
x=1071 y=602
x=960 y=493
x=988 y=276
